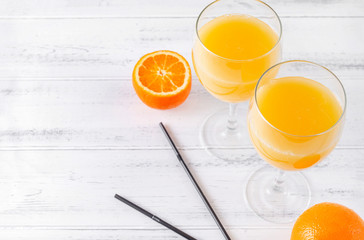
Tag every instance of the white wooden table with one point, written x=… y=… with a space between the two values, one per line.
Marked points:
x=73 y=132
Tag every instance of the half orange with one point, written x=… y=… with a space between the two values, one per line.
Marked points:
x=162 y=79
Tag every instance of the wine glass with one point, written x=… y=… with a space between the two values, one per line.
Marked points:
x=295 y=119
x=236 y=41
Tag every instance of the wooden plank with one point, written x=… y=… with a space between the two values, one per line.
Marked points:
x=141 y=234
x=65 y=48
x=163 y=8
x=74 y=189
x=65 y=84
x=107 y=114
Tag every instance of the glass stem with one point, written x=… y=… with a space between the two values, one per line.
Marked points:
x=279 y=180
x=232 y=124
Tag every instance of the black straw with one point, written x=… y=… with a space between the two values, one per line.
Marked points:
x=155 y=218
x=204 y=199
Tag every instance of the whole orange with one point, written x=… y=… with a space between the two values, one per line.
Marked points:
x=162 y=79
x=328 y=221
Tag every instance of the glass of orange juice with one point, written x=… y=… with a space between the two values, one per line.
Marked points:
x=295 y=119
x=236 y=41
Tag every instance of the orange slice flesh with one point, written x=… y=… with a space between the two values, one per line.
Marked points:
x=162 y=79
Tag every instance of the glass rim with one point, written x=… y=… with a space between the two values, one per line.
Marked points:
x=240 y=60
x=310 y=63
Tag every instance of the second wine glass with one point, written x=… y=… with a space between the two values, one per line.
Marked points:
x=295 y=120
x=236 y=41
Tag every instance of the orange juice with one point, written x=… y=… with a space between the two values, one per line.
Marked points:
x=233 y=52
x=299 y=113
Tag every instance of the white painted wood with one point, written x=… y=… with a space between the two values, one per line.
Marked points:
x=109 y=48
x=75 y=189
x=108 y=114
x=73 y=133
x=165 y=8
x=141 y=234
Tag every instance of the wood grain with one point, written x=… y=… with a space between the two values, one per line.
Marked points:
x=73 y=133
x=166 y=9
x=75 y=188
x=87 y=114
x=140 y=234
x=67 y=48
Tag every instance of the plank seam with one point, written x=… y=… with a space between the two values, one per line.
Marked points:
x=120 y=228
x=141 y=17
x=132 y=148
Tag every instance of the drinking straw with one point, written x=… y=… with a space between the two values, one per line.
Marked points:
x=194 y=182
x=154 y=217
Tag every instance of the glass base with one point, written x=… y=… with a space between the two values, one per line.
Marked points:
x=221 y=142
x=277 y=203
